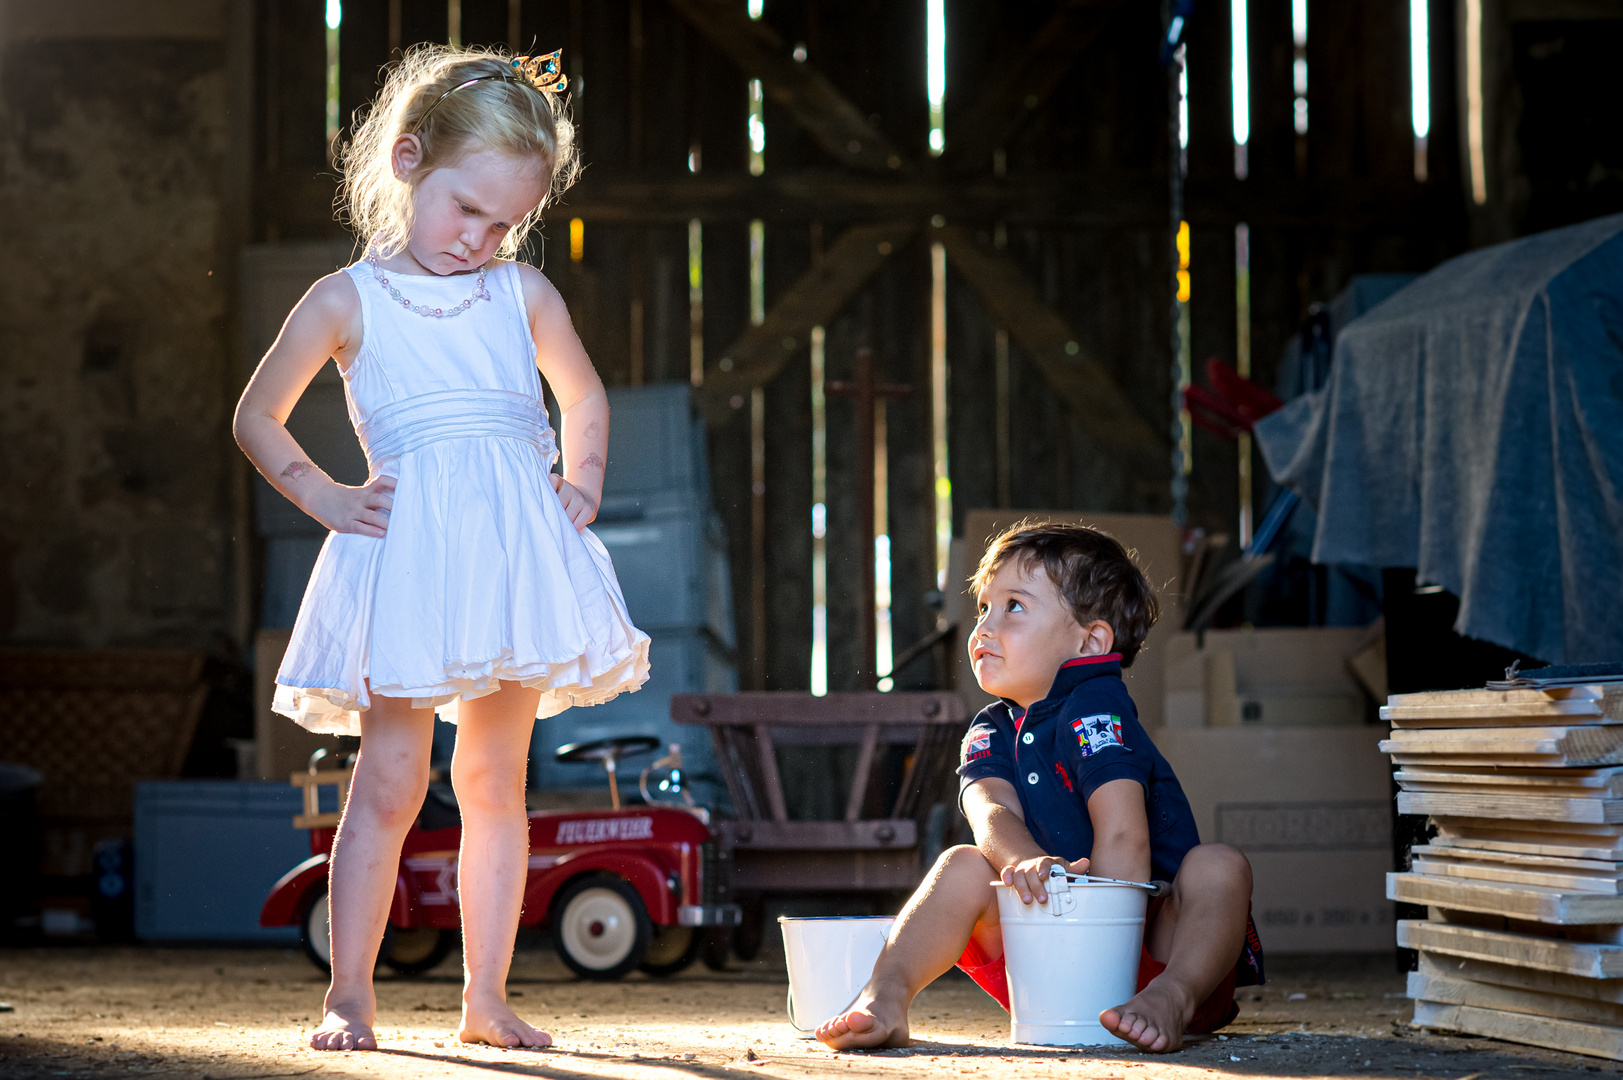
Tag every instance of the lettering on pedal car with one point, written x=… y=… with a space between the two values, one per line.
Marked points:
x=597 y=830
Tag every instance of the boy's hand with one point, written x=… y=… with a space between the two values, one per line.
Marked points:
x=1029 y=877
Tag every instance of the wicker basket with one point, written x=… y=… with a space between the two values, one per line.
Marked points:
x=94 y=722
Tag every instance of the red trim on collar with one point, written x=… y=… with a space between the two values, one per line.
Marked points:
x=1080 y=660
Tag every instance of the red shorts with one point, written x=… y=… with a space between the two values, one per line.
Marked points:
x=1217 y=1011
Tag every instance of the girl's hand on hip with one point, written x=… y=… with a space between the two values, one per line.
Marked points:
x=581 y=510
x=363 y=510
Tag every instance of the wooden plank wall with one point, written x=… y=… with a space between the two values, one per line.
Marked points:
x=1092 y=241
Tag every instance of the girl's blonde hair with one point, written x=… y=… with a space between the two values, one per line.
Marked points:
x=501 y=115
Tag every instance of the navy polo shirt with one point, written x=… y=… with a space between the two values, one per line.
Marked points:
x=1083 y=735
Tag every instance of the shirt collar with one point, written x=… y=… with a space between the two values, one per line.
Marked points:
x=1071 y=674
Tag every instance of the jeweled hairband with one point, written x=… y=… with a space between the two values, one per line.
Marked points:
x=543 y=74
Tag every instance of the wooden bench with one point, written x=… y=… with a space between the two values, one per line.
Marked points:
x=872 y=847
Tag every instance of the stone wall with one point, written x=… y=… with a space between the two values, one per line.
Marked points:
x=120 y=487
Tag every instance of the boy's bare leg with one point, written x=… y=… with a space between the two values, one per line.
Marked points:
x=1197 y=933
x=955 y=901
x=487 y=770
x=391 y=776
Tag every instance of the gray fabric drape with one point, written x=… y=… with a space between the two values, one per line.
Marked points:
x=1472 y=427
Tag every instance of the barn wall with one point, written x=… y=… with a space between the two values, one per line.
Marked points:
x=186 y=127
x=120 y=125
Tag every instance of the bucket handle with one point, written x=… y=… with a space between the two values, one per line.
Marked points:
x=1154 y=888
x=1061 y=902
x=789 y=1005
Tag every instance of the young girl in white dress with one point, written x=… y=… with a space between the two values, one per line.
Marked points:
x=460 y=577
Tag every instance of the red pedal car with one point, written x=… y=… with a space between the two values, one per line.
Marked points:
x=622 y=889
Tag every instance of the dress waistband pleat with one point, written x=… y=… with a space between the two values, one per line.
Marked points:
x=413 y=423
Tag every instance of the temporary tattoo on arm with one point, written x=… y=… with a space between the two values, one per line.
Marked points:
x=592 y=462
x=297 y=469
x=594 y=429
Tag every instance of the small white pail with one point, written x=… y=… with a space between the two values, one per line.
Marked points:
x=830 y=961
x=1071 y=958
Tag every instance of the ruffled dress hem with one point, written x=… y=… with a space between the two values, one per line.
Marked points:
x=589 y=679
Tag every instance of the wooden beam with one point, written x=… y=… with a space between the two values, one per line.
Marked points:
x=769 y=771
x=799 y=88
x=1528 y=902
x=849 y=835
x=1095 y=399
x=1441 y=988
x=1598 y=1040
x=761 y=351
x=1585 y=959
x=1085 y=200
x=837 y=709
x=1021 y=79
x=859 y=776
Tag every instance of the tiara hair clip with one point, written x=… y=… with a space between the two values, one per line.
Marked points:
x=543 y=74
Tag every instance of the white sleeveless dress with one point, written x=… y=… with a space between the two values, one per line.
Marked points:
x=480 y=576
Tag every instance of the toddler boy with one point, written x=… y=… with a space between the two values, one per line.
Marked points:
x=1061 y=773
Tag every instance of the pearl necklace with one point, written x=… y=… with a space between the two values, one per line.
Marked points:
x=479 y=293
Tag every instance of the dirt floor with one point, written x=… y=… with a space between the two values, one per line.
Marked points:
x=243 y=1015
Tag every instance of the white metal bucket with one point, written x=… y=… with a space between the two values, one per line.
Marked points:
x=830 y=961
x=1071 y=958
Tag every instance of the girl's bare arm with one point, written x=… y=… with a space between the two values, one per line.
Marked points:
x=582 y=403
x=325 y=323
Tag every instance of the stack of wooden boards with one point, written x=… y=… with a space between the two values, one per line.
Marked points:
x=1524 y=878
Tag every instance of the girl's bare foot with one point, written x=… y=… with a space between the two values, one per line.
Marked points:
x=871 y=1024
x=494 y=1023
x=346 y=1026
x=1153 y=1020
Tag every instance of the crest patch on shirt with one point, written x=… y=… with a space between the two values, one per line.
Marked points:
x=978 y=744
x=1096 y=733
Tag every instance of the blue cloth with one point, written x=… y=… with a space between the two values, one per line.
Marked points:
x=1083 y=735
x=1472 y=428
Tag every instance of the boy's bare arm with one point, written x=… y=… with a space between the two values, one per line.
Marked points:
x=1121 y=832
x=993 y=809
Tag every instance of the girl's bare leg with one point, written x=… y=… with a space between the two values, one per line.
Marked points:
x=488 y=771
x=391 y=777
x=954 y=903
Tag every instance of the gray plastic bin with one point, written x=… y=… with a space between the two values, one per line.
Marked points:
x=206 y=855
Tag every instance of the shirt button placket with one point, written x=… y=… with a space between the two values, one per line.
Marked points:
x=1031 y=778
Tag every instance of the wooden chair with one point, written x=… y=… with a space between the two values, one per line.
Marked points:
x=862 y=851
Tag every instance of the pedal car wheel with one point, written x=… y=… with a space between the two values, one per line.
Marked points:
x=672 y=949
x=413 y=952
x=601 y=928
x=315 y=931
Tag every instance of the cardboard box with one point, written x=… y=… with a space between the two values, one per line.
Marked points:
x=1157 y=544
x=1286 y=677
x=1311 y=807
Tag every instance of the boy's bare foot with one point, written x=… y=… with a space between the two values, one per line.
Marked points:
x=344 y=1029
x=870 y=1024
x=494 y=1023
x=1153 y=1020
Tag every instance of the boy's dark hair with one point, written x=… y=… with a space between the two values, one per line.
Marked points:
x=1094 y=574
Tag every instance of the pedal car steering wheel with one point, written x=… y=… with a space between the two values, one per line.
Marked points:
x=609 y=752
